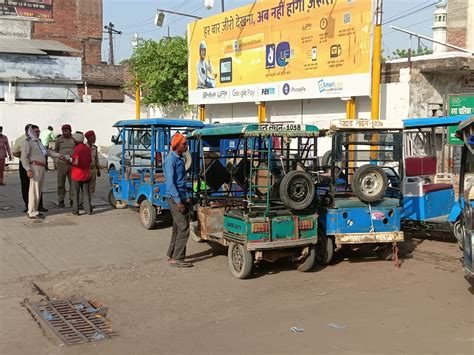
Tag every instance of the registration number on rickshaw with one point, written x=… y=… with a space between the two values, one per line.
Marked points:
x=281 y=127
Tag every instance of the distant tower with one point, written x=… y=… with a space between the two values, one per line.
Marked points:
x=440 y=27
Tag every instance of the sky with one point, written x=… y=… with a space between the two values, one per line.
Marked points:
x=136 y=16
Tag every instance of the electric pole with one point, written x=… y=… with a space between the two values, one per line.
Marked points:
x=111 y=31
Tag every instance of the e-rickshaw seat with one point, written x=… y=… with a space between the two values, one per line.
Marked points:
x=159 y=177
x=423 y=167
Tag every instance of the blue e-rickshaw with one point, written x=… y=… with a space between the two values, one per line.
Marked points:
x=428 y=191
x=466 y=193
x=140 y=182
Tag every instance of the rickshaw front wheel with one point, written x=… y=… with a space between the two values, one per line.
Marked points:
x=240 y=260
x=147 y=215
x=308 y=263
x=118 y=204
x=324 y=249
x=458 y=231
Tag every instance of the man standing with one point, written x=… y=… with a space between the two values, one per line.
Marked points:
x=175 y=177
x=24 y=179
x=95 y=167
x=33 y=159
x=65 y=146
x=46 y=137
x=4 y=152
x=80 y=174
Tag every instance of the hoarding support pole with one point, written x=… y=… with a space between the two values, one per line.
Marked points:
x=351 y=115
x=261 y=112
x=137 y=100
x=202 y=113
x=376 y=66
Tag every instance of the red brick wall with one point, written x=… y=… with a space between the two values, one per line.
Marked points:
x=457 y=37
x=76 y=23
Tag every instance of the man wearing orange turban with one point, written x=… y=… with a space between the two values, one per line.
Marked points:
x=175 y=177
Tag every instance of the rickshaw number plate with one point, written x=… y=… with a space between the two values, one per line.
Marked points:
x=281 y=127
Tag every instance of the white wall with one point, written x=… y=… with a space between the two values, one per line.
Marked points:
x=98 y=117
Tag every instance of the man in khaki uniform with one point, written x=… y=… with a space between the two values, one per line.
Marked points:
x=33 y=159
x=64 y=145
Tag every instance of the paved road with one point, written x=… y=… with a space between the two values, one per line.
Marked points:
x=426 y=306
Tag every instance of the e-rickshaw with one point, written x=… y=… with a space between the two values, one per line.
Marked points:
x=140 y=181
x=254 y=191
x=428 y=189
x=466 y=193
x=360 y=202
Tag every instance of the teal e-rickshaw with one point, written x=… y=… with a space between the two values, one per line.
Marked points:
x=254 y=191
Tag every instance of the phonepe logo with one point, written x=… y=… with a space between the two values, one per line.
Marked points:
x=280 y=55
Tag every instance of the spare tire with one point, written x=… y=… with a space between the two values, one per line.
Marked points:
x=297 y=190
x=369 y=183
x=326 y=160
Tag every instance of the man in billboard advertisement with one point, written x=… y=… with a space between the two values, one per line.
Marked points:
x=205 y=75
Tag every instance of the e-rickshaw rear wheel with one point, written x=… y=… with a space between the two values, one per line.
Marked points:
x=240 y=260
x=307 y=263
x=297 y=190
x=118 y=204
x=369 y=183
x=147 y=215
x=324 y=249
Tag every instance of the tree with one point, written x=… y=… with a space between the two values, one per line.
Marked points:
x=403 y=53
x=161 y=68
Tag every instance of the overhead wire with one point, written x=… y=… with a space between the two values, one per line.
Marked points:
x=409 y=14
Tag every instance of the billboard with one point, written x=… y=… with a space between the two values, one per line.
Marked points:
x=42 y=9
x=281 y=50
x=459 y=105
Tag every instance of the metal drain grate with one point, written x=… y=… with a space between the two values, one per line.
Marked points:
x=74 y=321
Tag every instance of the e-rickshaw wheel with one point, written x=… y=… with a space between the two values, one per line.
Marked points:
x=369 y=183
x=324 y=249
x=308 y=263
x=297 y=190
x=240 y=260
x=147 y=215
x=458 y=231
x=118 y=204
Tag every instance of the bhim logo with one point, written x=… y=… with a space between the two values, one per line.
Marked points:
x=279 y=56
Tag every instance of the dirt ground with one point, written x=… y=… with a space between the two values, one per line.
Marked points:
x=357 y=305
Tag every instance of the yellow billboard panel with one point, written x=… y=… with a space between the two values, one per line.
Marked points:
x=281 y=50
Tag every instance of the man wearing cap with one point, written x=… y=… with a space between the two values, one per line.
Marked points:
x=175 y=177
x=95 y=167
x=80 y=174
x=33 y=159
x=24 y=179
x=65 y=146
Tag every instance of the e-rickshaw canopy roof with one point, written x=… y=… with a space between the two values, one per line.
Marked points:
x=253 y=129
x=159 y=122
x=466 y=123
x=434 y=121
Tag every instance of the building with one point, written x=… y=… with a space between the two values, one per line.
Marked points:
x=460 y=24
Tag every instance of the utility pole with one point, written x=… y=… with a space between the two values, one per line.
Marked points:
x=111 y=31
x=222 y=5
x=376 y=63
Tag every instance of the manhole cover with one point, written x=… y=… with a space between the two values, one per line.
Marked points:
x=74 y=321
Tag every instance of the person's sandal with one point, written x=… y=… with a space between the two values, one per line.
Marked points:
x=179 y=263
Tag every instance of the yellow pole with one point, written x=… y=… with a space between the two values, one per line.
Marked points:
x=137 y=100
x=376 y=63
x=261 y=112
x=202 y=113
x=351 y=115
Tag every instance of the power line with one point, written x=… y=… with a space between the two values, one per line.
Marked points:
x=411 y=13
x=407 y=10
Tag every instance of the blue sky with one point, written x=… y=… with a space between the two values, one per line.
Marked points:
x=132 y=16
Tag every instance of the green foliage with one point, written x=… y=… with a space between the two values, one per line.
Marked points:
x=403 y=53
x=162 y=70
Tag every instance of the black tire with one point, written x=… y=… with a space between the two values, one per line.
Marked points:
x=324 y=249
x=240 y=260
x=308 y=263
x=147 y=215
x=458 y=231
x=297 y=190
x=193 y=233
x=118 y=204
x=369 y=183
x=326 y=160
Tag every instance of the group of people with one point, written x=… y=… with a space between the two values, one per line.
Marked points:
x=77 y=162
